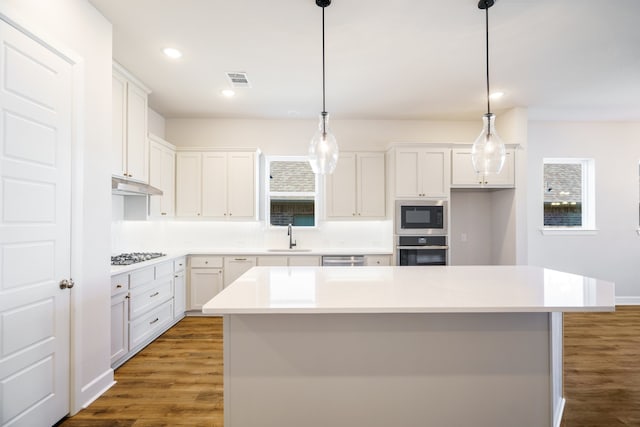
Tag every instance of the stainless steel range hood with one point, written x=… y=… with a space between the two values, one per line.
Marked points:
x=123 y=187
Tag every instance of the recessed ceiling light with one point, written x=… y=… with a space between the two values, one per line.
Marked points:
x=227 y=92
x=172 y=52
x=496 y=95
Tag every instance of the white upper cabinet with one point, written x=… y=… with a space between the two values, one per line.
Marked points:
x=422 y=172
x=357 y=186
x=216 y=184
x=130 y=144
x=162 y=160
x=464 y=176
x=188 y=184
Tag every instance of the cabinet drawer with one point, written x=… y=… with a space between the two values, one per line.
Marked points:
x=146 y=297
x=373 y=260
x=141 y=277
x=164 y=269
x=119 y=283
x=146 y=326
x=205 y=261
x=179 y=264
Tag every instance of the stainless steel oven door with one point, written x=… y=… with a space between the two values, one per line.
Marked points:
x=422 y=255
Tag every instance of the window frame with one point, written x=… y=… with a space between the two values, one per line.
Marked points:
x=267 y=192
x=588 y=198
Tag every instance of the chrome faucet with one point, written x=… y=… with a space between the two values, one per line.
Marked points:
x=292 y=243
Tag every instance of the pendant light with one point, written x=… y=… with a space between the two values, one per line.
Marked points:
x=488 y=151
x=323 y=149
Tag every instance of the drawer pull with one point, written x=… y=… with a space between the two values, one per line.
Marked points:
x=118 y=286
x=153 y=321
x=154 y=295
x=176 y=276
x=240 y=259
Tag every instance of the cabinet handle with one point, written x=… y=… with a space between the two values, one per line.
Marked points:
x=230 y=214
x=127 y=297
x=359 y=214
x=154 y=295
x=198 y=214
x=118 y=286
x=206 y=262
x=153 y=321
x=240 y=259
x=175 y=277
x=163 y=213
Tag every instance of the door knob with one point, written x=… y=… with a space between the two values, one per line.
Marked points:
x=66 y=284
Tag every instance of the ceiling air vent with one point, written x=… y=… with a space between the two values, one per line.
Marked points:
x=238 y=79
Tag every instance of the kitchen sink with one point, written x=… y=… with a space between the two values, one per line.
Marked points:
x=289 y=250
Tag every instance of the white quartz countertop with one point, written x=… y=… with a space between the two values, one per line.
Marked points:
x=433 y=289
x=172 y=254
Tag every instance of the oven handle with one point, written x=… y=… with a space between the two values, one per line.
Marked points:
x=422 y=247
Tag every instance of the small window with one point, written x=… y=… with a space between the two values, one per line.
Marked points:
x=569 y=200
x=291 y=192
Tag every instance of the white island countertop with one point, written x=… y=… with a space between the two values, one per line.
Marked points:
x=433 y=289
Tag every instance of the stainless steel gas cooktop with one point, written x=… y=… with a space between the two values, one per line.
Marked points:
x=131 y=258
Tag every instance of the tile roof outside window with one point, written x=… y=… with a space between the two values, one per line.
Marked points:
x=292 y=177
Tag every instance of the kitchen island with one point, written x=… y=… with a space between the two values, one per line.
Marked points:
x=398 y=346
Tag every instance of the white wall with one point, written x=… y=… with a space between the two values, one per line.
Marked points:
x=156 y=123
x=614 y=252
x=291 y=137
x=77 y=27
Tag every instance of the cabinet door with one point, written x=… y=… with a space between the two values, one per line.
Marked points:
x=204 y=284
x=241 y=196
x=188 y=184
x=378 y=260
x=179 y=294
x=137 y=142
x=119 y=125
x=305 y=261
x=214 y=185
x=434 y=173
x=235 y=267
x=371 y=184
x=341 y=188
x=119 y=326
x=167 y=200
x=506 y=177
x=462 y=172
x=407 y=165
x=272 y=261
x=155 y=178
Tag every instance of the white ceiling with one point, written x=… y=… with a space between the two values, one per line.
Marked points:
x=393 y=59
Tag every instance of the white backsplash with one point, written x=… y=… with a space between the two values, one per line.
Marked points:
x=130 y=236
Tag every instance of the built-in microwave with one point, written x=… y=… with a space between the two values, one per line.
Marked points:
x=420 y=217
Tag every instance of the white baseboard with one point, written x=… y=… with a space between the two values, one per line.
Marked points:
x=96 y=388
x=557 y=418
x=627 y=300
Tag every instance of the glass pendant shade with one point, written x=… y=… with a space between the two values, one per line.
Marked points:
x=488 y=151
x=323 y=149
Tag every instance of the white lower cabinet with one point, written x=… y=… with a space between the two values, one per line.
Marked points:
x=179 y=288
x=292 y=261
x=205 y=279
x=236 y=266
x=305 y=261
x=375 y=260
x=119 y=317
x=147 y=325
x=142 y=308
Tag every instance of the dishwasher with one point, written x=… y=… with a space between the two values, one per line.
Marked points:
x=343 y=260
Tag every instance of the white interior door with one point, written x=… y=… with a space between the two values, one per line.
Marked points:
x=35 y=197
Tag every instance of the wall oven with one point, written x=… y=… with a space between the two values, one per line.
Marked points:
x=421 y=217
x=421 y=250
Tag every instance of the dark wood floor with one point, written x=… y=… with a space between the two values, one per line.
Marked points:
x=177 y=380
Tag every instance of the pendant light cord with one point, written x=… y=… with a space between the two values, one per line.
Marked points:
x=324 y=109
x=487 y=57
